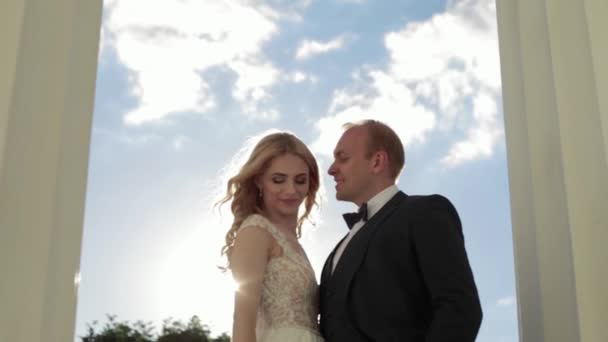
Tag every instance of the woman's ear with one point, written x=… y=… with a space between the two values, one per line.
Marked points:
x=258 y=183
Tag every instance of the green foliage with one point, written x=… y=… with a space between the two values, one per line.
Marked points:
x=172 y=331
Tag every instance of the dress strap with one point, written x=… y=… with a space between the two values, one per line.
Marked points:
x=258 y=220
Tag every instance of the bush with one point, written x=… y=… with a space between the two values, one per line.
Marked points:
x=172 y=331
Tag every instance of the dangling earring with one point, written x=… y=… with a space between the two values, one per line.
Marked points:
x=260 y=194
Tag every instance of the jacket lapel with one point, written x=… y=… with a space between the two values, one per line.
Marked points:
x=353 y=255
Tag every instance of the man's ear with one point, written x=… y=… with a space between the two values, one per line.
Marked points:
x=379 y=161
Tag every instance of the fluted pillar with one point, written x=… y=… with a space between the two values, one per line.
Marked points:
x=554 y=62
x=47 y=79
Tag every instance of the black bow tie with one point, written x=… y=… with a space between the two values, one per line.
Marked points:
x=352 y=218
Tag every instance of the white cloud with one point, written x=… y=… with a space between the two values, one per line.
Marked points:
x=463 y=38
x=299 y=77
x=136 y=139
x=446 y=72
x=179 y=141
x=482 y=135
x=252 y=85
x=386 y=100
x=506 y=301
x=311 y=48
x=166 y=45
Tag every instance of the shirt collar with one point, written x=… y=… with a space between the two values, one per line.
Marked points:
x=380 y=199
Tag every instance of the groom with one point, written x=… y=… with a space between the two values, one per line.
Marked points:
x=401 y=273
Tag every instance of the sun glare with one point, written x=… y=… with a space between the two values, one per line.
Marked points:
x=190 y=283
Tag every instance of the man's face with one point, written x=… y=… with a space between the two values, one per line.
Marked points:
x=352 y=172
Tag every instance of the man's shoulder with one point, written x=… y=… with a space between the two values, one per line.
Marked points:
x=422 y=206
x=427 y=200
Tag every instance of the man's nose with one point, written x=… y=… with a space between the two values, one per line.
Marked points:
x=332 y=169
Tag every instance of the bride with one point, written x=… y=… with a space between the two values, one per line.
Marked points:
x=277 y=297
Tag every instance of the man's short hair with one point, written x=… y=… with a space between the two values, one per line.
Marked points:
x=382 y=138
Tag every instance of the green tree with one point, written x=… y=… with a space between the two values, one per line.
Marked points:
x=172 y=331
x=114 y=331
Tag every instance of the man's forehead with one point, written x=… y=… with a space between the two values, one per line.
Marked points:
x=345 y=149
x=350 y=138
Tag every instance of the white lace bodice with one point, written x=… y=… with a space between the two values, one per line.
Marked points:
x=290 y=291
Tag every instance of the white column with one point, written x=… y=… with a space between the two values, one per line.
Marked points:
x=47 y=78
x=596 y=16
x=554 y=73
x=9 y=39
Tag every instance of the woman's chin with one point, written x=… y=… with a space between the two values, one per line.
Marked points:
x=288 y=211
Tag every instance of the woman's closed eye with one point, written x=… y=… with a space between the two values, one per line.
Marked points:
x=278 y=179
x=301 y=180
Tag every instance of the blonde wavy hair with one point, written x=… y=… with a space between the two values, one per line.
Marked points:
x=243 y=192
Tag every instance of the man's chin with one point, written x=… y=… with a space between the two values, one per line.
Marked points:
x=341 y=196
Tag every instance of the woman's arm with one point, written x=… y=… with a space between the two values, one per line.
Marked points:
x=250 y=255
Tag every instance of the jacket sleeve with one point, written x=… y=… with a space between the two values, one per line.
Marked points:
x=439 y=246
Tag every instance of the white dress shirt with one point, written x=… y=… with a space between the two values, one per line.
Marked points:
x=373 y=206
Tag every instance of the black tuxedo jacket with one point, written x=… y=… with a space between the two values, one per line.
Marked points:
x=404 y=276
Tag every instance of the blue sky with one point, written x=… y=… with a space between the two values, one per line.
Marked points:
x=183 y=85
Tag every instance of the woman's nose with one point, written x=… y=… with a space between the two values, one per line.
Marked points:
x=290 y=187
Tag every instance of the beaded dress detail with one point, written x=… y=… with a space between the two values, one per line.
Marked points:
x=289 y=303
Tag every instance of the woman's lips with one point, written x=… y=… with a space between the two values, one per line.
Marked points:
x=291 y=202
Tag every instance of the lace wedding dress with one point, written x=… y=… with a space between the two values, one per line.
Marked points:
x=289 y=302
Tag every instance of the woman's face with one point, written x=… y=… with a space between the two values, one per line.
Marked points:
x=284 y=185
